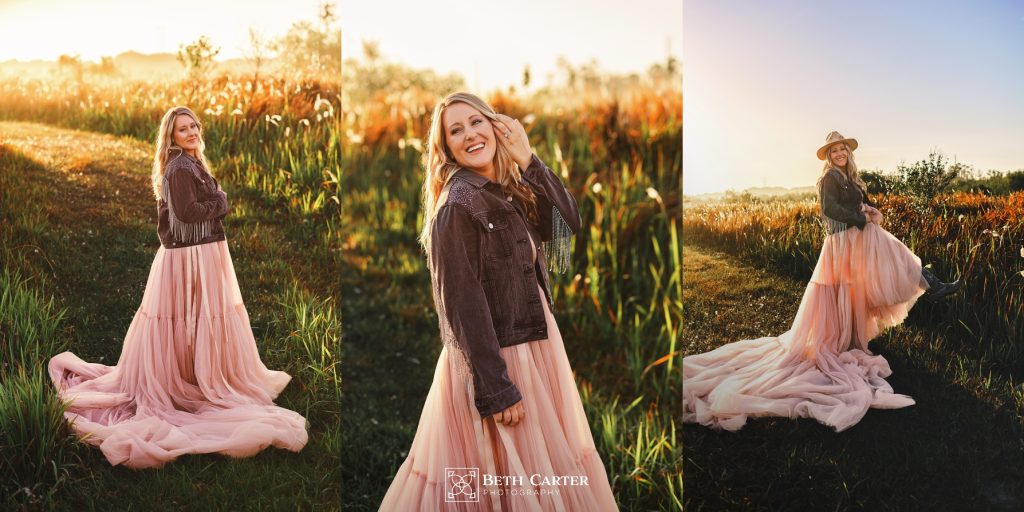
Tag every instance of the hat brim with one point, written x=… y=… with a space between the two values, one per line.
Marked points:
x=850 y=143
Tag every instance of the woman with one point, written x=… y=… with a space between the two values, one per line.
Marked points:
x=865 y=281
x=189 y=379
x=503 y=427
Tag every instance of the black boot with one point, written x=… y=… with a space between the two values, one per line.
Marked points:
x=938 y=290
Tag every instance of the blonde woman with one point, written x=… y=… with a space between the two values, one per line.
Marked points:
x=189 y=378
x=503 y=427
x=865 y=281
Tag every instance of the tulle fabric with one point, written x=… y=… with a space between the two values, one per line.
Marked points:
x=864 y=281
x=553 y=439
x=189 y=378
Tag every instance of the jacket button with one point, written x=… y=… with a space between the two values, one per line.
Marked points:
x=509 y=199
x=490 y=226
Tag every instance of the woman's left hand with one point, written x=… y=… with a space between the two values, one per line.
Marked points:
x=872 y=213
x=511 y=134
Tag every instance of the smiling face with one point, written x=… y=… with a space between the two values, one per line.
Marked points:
x=839 y=155
x=469 y=136
x=186 y=133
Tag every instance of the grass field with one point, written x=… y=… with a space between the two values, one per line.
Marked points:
x=961 y=447
x=78 y=234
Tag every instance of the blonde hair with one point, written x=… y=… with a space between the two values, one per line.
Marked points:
x=440 y=165
x=166 y=150
x=851 y=167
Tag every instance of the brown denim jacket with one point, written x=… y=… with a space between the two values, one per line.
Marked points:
x=840 y=201
x=484 y=274
x=192 y=206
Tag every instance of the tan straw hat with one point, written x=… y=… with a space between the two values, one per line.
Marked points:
x=833 y=139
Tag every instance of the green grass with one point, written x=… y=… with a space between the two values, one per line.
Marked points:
x=78 y=220
x=959 y=448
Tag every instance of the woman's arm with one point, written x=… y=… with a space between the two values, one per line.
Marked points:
x=832 y=208
x=463 y=305
x=555 y=204
x=558 y=213
x=184 y=202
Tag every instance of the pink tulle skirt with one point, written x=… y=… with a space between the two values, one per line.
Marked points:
x=189 y=379
x=864 y=281
x=514 y=466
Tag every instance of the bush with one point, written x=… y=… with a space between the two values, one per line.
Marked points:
x=926 y=179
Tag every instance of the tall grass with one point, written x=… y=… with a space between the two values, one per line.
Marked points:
x=274 y=135
x=620 y=306
x=35 y=446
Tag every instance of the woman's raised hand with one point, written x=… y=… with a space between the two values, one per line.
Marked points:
x=511 y=134
x=512 y=415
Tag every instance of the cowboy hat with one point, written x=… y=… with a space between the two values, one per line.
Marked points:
x=833 y=139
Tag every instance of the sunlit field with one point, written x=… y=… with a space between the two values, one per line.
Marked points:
x=78 y=236
x=619 y=306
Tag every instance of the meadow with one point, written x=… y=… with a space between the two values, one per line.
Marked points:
x=619 y=307
x=958 y=448
x=320 y=244
x=78 y=236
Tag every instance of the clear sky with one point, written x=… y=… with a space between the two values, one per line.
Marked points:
x=764 y=83
x=489 y=42
x=45 y=29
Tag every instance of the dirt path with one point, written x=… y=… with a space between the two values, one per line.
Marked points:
x=951 y=451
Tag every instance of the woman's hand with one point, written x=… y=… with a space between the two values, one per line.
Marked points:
x=511 y=134
x=512 y=415
x=872 y=213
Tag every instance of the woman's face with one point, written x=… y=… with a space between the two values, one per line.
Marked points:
x=839 y=155
x=186 y=133
x=469 y=136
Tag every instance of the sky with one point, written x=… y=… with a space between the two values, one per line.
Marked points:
x=45 y=29
x=490 y=42
x=764 y=83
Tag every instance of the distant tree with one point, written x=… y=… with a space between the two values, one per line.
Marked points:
x=1016 y=179
x=667 y=72
x=72 y=64
x=105 y=67
x=926 y=179
x=313 y=48
x=258 y=52
x=526 y=76
x=367 y=77
x=371 y=51
x=198 y=58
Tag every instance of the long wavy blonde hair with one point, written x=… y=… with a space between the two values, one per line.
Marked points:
x=440 y=164
x=166 y=149
x=850 y=171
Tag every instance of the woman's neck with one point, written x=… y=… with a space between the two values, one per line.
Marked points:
x=487 y=172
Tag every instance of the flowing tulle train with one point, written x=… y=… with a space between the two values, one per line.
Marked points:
x=864 y=281
x=189 y=379
x=553 y=440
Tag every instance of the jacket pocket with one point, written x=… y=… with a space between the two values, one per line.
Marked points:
x=497 y=236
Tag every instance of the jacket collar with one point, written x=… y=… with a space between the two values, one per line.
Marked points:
x=473 y=178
